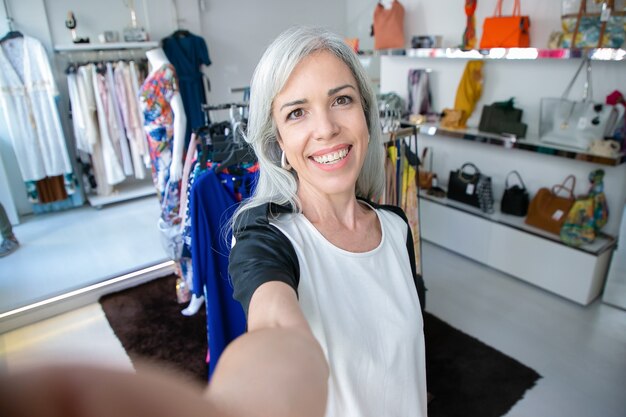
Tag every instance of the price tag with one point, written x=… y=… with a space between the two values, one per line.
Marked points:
x=470 y=189
x=557 y=215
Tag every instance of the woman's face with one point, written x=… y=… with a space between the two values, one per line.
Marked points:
x=321 y=125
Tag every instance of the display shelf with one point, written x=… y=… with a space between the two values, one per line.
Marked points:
x=123 y=192
x=602 y=243
x=596 y=54
x=531 y=145
x=576 y=275
x=80 y=47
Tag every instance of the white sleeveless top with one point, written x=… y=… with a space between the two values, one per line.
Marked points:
x=364 y=311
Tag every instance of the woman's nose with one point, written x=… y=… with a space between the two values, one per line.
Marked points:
x=326 y=126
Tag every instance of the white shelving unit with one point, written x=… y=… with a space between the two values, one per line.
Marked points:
x=500 y=241
x=531 y=145
x=77 y=47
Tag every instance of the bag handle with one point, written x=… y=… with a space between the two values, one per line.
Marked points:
x=517 y=9
x=519 y=177
x=461 y=174
x=582 y=11
x=587 y=91
x=427 y=151
x=563 y=186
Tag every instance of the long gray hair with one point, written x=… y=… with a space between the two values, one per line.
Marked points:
x=275 y=184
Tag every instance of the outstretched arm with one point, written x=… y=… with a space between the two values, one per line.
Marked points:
x=276 y=369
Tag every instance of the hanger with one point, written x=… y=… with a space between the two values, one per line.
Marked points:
x=235 y=157
x=12 y=34
x=181 y=33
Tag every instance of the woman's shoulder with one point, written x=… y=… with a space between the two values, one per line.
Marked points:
x=258 y=217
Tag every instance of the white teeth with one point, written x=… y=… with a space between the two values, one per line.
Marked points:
x=331 y=158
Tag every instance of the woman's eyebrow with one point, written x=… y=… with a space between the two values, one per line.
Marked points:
x=294 y=103
x=335 y=90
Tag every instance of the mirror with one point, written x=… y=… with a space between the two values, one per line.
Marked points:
x=81 y=240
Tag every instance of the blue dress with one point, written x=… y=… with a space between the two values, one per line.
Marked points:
x=211 y=206
x=187 y=52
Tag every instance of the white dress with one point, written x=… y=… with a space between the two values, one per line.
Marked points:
x=27 y=101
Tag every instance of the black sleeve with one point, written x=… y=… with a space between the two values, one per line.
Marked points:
x=419 y=280
x=261 y=253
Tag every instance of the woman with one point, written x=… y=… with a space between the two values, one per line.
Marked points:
x=327 y=278
x=312 y=256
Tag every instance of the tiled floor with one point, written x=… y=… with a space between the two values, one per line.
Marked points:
x=579 y=351
x=71 y=249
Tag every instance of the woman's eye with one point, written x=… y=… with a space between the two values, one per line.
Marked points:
x=295 y=114
x=343 y=100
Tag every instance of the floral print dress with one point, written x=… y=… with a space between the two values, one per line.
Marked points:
x=155 y=96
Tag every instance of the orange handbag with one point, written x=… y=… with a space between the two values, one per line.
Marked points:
x=389 y=26
x=506 y=31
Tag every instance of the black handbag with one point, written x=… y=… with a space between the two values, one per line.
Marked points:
x=502 y=117
x=471 y=188
x=515 y=199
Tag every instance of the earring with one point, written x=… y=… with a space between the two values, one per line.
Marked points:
x=283 y=162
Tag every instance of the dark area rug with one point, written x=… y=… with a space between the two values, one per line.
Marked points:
x=465 y=376
x=147 y=320
x=469 y=378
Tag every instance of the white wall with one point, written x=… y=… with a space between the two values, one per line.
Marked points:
x=237 y=32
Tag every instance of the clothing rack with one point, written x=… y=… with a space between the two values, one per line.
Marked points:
x=224 y=106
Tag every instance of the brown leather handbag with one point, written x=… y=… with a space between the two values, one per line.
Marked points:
x=548 y=210
x=389 y=26
x=426 y=175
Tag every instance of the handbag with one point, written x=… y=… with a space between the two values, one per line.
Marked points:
x=170 y=231
x=515 y=199
x=548 y=210
x=471 y=188
x=452 y=119
x=506 y=31
x=609 y=148
x=502 y=117
x=576 y=123
x=389 y=26
x=426 y=176
x=592 y=24
x=588 y=214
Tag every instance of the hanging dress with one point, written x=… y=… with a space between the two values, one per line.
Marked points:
x=188 y=53
x=155 y=96
x=112 y=166
x=124 y=98
x=27 y=99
